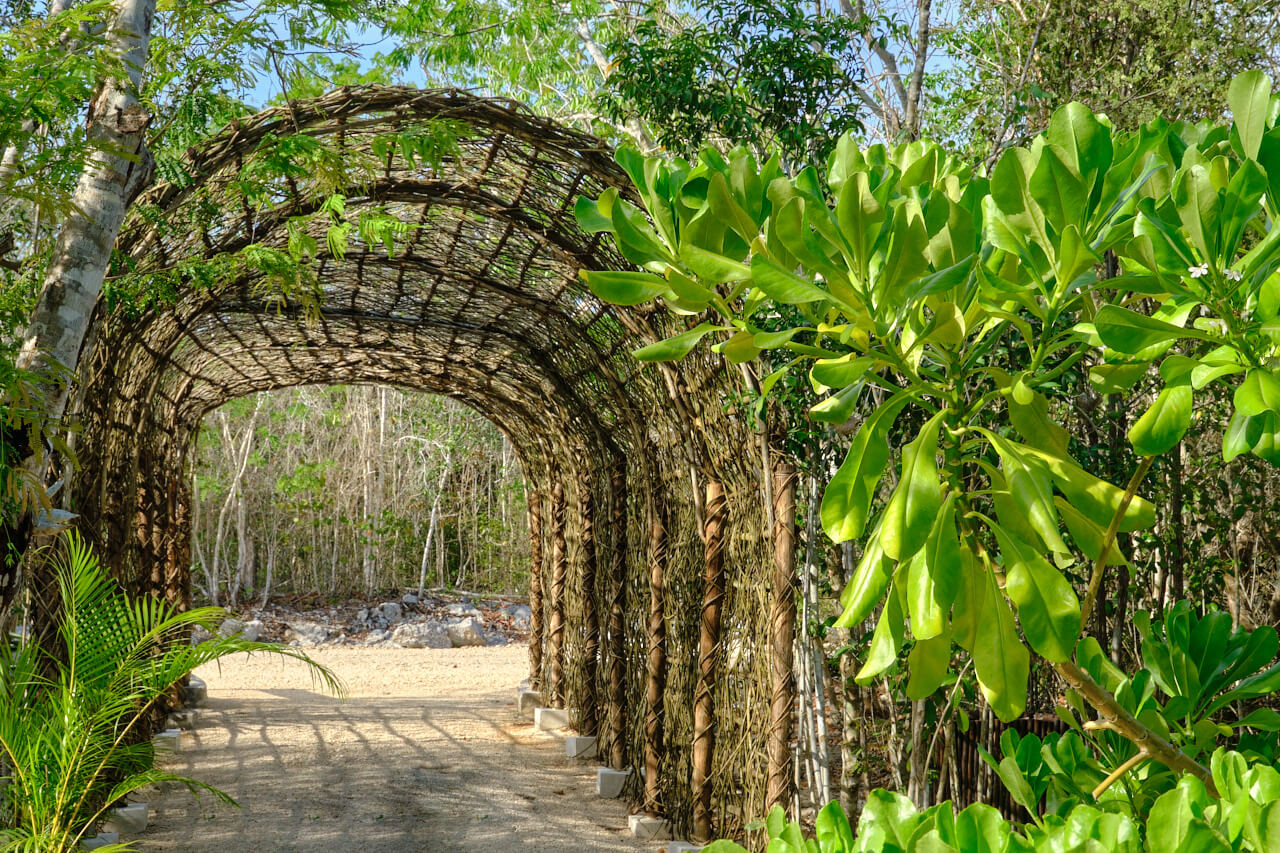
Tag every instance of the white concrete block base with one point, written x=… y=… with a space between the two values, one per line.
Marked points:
x=683 y=847
x=167 y=740
x=195 y=693
x=102 y=839
x=609 y=782
x=128 y=820
x=646 y=828
x=526 y=702
x=185 y=720
x=578 y=746
x=550 y=719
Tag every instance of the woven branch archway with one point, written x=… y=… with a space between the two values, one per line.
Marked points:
x=479 y=300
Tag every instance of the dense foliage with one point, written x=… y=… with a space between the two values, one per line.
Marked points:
x=933 y=302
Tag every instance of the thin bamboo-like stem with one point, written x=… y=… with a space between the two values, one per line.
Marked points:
x=717 y=511
x=617 y=616
x=559 y=575
x=656 y=683
x=782 y=635
x=535 y=589
x=589 y=715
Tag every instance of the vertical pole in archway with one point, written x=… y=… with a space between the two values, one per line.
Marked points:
x=589 y=715
x=656 y=684
x=535 y=589
x=782 y=628
x=617 y=615
x=559 y=573
x=708 y=658
x=177 y=563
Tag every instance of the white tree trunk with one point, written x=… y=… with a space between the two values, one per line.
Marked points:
x=120 y=168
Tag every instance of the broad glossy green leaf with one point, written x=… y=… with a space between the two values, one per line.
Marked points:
x=1029 y=414
x=1096 y=498
x=915 y=503
x=676 y=346
x=712 y=267
x=934 y=576
x=1249 y=96
x=1163 y=425
x=624 y=288
x=847 y=499
x=888 y=822
x=865 y=589
x=1000 y=660
x=832 y=830
x=1062 y=195
x=1047 y=605
x=886 y=640
x=1129 y=332
x=782 y=285
x=928 y=664
x=838 y=408
x=842 y=371
x=1173 y=813
x=1258 y=393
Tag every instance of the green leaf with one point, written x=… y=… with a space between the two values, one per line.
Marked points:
x=1173 y=813
x=915 y=503
x=1164 y=424
x=1000 y=660
x=886 y=640
x=712 y=266
x=865 y=589
x=1047 y=605
x=624 y=288
x=832 y=830
x=1095 y=498
x=1249 y=96
x=847 y=499
x=1258 y=393
x=1129 y=332
x=838 y=408
x=676 y=346
x=934 y=576
x=842 y=371
x=928 y=664
x=782 y=285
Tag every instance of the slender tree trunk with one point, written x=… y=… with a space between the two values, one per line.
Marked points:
x=588 y=722
x=119 y=168
x=535 y=590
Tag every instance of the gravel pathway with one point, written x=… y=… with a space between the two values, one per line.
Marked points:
x=426 y=754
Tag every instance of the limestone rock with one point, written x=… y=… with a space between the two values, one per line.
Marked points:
x=252 y=630
x=464 y=610
x=308 y=633
x=409 y=599
x=230 y=627
x=467 y=632
x=391 y=611
x=200 y=635
x=422 y=635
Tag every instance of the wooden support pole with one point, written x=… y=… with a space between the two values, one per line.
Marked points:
x=535 y=589
x=656 y=686
x=559 y=574
x=782 y=631
x=708 y=659
x=589 y=712
x=617 y=617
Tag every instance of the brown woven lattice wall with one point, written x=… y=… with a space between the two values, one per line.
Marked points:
x=479 y=300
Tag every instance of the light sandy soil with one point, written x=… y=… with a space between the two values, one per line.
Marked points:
x=426 y=754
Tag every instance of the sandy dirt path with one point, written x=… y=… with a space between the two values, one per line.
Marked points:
x=426 y=754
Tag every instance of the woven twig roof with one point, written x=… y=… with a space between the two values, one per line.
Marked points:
x=479 y=300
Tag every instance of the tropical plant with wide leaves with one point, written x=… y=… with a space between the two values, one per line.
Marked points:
x=75 y=713
x=949 y=306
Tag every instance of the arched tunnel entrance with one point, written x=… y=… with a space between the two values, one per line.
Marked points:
x=652 y=577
